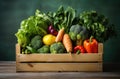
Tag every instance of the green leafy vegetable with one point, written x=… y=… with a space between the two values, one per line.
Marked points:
x=23 y=37
x=34 y=25
x=63 y=18
x=33 y=46
x=97 y=25
x=29 y=50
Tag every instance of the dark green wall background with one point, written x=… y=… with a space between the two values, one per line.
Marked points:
x=12 y=12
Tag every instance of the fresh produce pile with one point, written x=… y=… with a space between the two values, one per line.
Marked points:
x=64 y=31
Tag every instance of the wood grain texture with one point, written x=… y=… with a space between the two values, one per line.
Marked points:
x=95 y=57
x=100 y=48
x=59 y=62
x=8 y=71
x=59 y=67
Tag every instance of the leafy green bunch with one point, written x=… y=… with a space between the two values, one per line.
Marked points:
x=34 y=25
x=63 y=18
x=97 y=25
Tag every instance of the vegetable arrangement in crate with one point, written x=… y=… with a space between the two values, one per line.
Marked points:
x=62 y=41
x=63 y=31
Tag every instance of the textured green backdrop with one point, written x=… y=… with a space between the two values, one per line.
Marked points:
x=12 y=12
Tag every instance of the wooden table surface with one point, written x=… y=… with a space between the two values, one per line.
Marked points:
x=8 y=71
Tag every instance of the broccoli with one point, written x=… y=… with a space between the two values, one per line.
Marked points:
x=78 y=34
x=36 y=42
x=44 y=49
x=57 y=48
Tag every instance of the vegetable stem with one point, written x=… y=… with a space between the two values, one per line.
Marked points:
x=91 y=37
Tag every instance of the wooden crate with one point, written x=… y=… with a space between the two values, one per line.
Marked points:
x=59 y=62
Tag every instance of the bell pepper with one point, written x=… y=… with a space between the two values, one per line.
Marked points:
x=91 y=45
x=79 y=49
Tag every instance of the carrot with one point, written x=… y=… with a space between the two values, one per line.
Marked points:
x=67 y=43
x=59 y=37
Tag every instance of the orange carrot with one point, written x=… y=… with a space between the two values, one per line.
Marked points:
x=67 y=43
x=59 y=37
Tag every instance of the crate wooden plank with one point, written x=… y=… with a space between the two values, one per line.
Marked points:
x=18 y=49
x=100 y=48
x=88 y=57
x=59 y=62
x=33 y=67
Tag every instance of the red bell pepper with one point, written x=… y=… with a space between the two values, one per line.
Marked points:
x=81 y=49
x=91 y=45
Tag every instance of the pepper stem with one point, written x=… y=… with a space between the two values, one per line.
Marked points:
x=78 y=52
x=91 y=37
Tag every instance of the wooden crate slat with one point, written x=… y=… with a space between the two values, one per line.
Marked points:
x=59 y=62
x=59 y=67
x=100 y=48
x=94 y=57
x=18 y=49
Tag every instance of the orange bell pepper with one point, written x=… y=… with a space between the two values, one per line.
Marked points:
x=91 y=45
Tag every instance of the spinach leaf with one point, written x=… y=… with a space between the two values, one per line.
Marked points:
x=63 y=18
